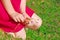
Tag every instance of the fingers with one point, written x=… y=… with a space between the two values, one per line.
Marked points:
x=15 y=19
x=19 y=18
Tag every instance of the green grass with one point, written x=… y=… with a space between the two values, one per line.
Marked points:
x=49 y=11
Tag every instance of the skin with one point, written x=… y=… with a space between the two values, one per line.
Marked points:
x=17 y=17
x=23 y=8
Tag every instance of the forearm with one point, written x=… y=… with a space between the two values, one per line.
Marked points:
x=8 y=6
x=23 y=6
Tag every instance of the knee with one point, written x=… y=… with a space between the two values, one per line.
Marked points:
x=21 y=34
x=38 y=25
x=24 y=37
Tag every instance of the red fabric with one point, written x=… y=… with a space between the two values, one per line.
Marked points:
x=6 y=23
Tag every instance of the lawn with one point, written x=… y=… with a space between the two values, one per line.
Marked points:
x=49 y=11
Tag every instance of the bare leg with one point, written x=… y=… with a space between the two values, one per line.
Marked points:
x=35 y=20
x=20 y=34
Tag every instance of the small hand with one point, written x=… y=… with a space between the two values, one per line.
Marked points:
x=17 y=17
x=26 y=16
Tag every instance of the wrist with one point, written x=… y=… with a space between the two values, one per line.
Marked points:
x=11 y=13
x=23 y=12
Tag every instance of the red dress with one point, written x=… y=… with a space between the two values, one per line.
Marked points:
x=6 y=22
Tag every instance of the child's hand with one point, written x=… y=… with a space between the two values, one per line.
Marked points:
x=26 y=15
x=17 y=17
